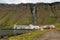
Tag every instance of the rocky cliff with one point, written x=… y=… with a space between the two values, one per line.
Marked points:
x=48 y=13
x=10 y=14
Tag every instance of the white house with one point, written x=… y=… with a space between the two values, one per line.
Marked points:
x=34 y=26
x=26 y=27
x=47 y=26
x=51 y=26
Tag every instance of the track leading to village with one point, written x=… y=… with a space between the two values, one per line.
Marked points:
x=51 y=35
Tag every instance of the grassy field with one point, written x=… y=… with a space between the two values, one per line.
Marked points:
x=57 y=26
x=28 y=36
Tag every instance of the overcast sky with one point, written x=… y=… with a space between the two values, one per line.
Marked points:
x=26 y=1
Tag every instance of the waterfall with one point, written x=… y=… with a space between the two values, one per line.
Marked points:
x=33 y=11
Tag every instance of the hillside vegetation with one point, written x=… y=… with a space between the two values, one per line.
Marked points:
x=11 y=14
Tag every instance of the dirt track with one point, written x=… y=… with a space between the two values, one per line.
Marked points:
x=51 y=35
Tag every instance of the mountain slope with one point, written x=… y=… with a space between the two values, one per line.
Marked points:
x=11 y=14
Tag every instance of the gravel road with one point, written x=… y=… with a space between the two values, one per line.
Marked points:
x=51 y=35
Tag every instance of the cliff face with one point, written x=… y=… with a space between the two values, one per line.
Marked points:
x=48 y=13
x=14 y=14
x=21 y=14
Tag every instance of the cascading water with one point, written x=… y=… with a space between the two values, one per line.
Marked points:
x=33 y=11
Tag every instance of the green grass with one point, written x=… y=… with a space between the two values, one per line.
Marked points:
x=57 y=26
x=28 y=36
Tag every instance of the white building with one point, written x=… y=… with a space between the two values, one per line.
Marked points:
x=26 y=27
